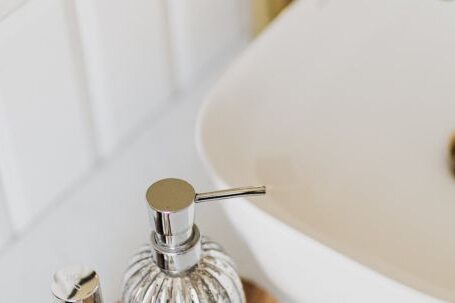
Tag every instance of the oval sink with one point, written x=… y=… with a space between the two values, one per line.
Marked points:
x=345 y=110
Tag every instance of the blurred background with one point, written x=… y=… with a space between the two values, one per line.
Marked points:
x=98 y=98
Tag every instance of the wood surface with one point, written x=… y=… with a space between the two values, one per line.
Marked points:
x=255 y=294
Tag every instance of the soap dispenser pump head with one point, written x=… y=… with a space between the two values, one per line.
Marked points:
x=175 y=238
x=76 y=284
x=171 y=206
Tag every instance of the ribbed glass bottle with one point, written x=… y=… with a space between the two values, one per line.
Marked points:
x=212 y=280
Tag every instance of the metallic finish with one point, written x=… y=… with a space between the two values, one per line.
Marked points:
x=177 y=266
x=170 y=195
x=171 y=211
x=76 y=284
x=178 y=259
x=452 y=155
x=231 y=193
x=212 y=280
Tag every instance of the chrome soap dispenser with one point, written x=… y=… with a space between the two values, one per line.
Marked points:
x=76 y=284
x=178 y=265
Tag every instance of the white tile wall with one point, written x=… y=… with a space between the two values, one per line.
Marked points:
x=5 y=228
x=79 y=76
x=128 y=63
x=45 y=143
x=203 y=31
x=8 y=6
x=110 y=211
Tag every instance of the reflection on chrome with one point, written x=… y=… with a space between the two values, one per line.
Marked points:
x=76 y=284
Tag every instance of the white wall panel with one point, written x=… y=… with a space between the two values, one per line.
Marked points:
x=8 y=6
x=204 y=31
x=127 y=55
x=5 y=227
x=45 y=144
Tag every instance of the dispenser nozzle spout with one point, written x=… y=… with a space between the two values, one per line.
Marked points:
x=230 y=193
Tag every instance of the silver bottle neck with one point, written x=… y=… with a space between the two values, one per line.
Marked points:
x=176 y=256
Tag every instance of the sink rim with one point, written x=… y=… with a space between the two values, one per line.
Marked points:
x=399 y=277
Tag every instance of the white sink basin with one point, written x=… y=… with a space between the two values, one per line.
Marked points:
x=345 y=110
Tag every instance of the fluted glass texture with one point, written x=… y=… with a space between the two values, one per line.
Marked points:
x=214 y=279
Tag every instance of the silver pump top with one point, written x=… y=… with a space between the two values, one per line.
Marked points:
x=175 y=238
x=76 y=284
